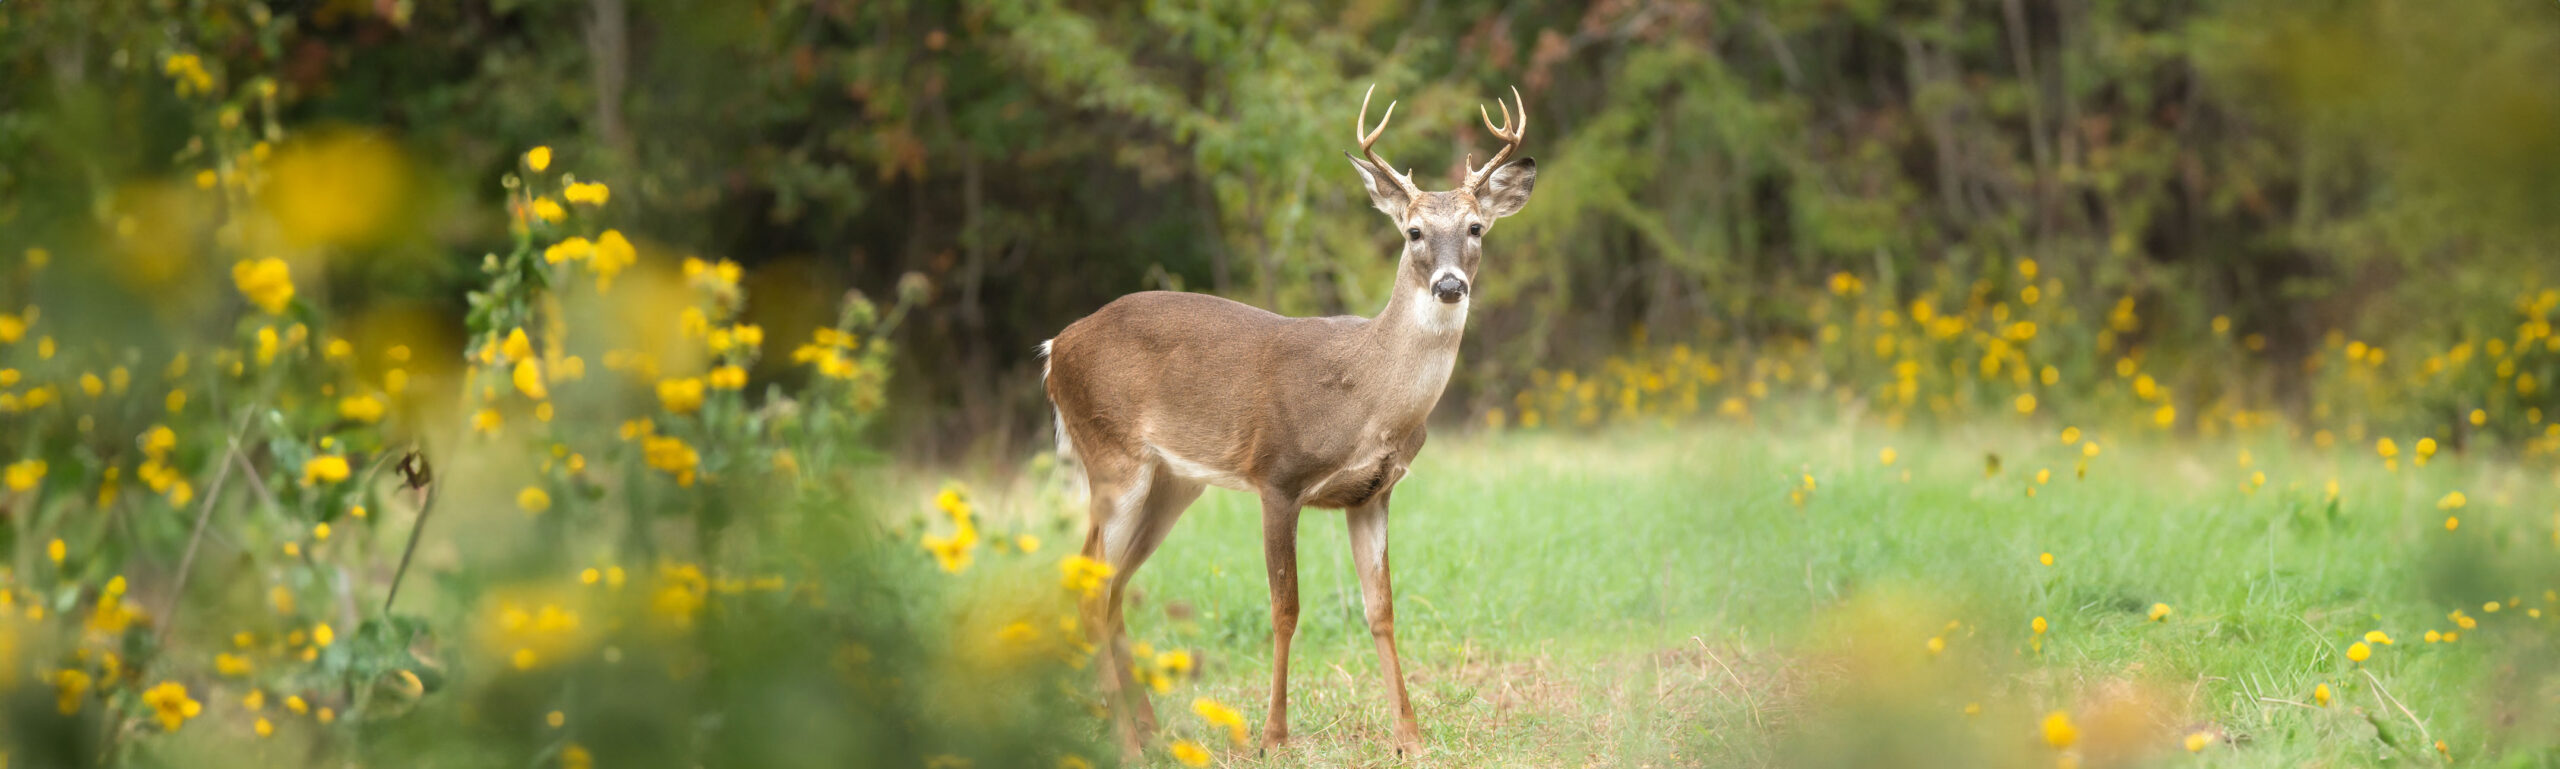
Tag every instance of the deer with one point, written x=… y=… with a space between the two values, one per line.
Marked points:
x=1160 y=394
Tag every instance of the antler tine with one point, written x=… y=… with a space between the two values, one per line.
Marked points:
x=1509 y=132
x=1369 y=138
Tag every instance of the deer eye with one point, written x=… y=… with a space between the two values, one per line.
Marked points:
x=1413 y=232
x=1475 y=229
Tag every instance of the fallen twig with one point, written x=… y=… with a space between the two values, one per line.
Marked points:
x=2395 y=702
x=195 y=537
x=414 y=472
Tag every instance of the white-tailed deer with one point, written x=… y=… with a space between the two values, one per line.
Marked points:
x=1161 y=393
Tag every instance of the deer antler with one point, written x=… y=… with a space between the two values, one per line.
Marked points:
x=1369 y=138
x=1508 y=132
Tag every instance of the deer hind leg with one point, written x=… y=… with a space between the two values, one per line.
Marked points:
x=1140 y=515
x=1369 y=556
x=1118 y=489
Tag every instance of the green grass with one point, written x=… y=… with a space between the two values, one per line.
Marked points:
x=1654 y=598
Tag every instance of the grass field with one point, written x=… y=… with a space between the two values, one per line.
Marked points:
x=1731 y=595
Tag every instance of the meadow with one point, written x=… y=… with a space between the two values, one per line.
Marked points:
x=609 y=384
x=1828 y=593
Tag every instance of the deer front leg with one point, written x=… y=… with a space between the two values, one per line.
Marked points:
x=1280 y=556
x=1369 y=557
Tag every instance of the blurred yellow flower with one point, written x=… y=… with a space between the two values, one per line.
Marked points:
x=517 y=347
x=2070 y=435
x=727 y=378
x=589 y=193
x=2058 y=731
x=69 y=687
x=487 y=420
x=1084 y=576
x=169 y=703
x=672 y=456
x=329 y=468
x=2039 y=625
x=2320 y=694
x=2197 y=741
x=360 y=408
x=2377 y=636
x=2160 y=611
x=533 y=499
x=567 y=250
x=538 y=159
x=612 y=254
x=2452 y=501
x=1886 y=456
x=2386 y=448
x=24 y=474
x=2358 y=652
x=266 y=283
x=1190 y=753
x=680 y=396
x=2452 y=522
x=528 y=379
x=1221 y=716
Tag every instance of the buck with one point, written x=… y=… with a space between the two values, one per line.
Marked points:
x=1159 y=394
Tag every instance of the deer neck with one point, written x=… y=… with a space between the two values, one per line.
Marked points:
x=1417 y=336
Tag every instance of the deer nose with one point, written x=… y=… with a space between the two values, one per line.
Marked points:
x=1450 y=289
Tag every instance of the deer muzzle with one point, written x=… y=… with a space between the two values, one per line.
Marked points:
x=1449 y=289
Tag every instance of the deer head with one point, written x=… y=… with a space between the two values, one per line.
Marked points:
x=1443 y=232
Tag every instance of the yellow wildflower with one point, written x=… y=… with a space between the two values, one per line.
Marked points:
x=538 y=159
x=2320 y=694
x=267 y=283
x=612 y=253
x=2197 y=741
x=360 y=408
x=2453 y=501
x=1221 y=716
x=2159 y=611
x=533 y=499
x=517 y=346
x=672 y=456
x=727 y=378
x=1083 y=575
x=69 y=687
x=549 y=210
x=1190 y=753
x=589 y=193
x=2359 y=652
x=24 y=474
x=528 y=379
x=680 y=396
x=487 y=420
x=330 y=468
x=170 y=704
x=2058 y=731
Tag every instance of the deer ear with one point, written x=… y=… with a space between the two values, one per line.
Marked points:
x=1507 y=190
x=1384 y=193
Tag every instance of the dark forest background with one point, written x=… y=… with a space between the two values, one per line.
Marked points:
x=2385 y=168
